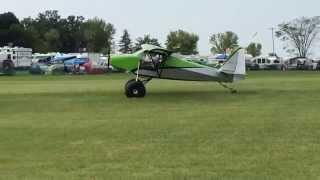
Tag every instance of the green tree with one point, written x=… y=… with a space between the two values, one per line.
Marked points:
x=254 y=49
x=33 y=37
x=71 y=35
x=32 y=40
x=52 y=38
x=301 y=33
x=98 y=35
x=47 y=20
x=182 y=42
x=125 y=42
x=222 y=42
x=8 y=19
x=16 y=35
x=10 y=29
x=50 y=32
x=146 y=39
x=43 y=33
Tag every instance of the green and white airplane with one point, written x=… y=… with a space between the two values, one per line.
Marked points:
x=156 y=62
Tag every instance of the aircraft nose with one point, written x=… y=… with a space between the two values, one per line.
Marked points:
x=115 y=61
x=127 y=62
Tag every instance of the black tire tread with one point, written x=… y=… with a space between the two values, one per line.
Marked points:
x=135 y=85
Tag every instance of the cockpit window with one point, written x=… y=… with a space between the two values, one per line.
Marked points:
x=152 y=61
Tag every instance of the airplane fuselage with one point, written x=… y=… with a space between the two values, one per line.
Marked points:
x=156 y=62
x=186 y=74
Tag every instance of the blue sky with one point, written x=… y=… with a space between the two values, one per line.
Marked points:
x=204 y=17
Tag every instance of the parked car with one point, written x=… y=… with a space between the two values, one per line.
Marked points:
x=76 y=65
x=87 y=63
x=57 y=65
x=40 y=66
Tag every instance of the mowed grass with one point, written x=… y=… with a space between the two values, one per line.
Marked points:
x=83 y=127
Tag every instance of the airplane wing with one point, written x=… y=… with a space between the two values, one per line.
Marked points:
x=153 y=48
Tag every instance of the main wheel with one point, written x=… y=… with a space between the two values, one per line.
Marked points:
x=129 y=82
x=135 y=89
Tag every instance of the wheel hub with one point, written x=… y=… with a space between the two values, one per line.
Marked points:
x=135 y=92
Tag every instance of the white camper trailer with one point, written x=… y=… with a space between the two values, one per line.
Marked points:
x=6 y=65
x=267 y=62
x=21 y=57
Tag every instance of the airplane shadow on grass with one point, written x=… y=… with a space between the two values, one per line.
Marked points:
x=208 y=92
x=151 y=94
x=196 y=96
x=168 y=95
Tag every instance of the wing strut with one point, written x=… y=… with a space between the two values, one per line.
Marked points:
x=137 y=77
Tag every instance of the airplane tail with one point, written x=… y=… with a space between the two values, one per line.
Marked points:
x=235 y=66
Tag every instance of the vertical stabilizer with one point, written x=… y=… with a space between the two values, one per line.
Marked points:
x=236 y=65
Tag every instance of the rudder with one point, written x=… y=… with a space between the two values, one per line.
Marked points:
x=235 y=65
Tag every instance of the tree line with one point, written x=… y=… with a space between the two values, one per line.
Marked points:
x=49 y=32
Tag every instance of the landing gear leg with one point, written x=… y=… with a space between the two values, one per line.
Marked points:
x=232 y=90
x=135 y=88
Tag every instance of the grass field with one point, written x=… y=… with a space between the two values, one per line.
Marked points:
x=83 y=127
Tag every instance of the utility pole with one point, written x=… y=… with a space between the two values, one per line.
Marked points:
x=273 y=50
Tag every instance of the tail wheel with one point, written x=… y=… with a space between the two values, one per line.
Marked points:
x=8 y=67
x=234 y=91
x=135 y=89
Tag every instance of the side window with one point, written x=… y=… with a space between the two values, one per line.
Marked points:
x=152 y=61
x=146 y=62
x=263 y=61
x=259 y=61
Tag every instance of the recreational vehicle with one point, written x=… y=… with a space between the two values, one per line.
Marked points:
x=298 y=63
x=271 y=62
x=6 y=65
x=21 y=57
